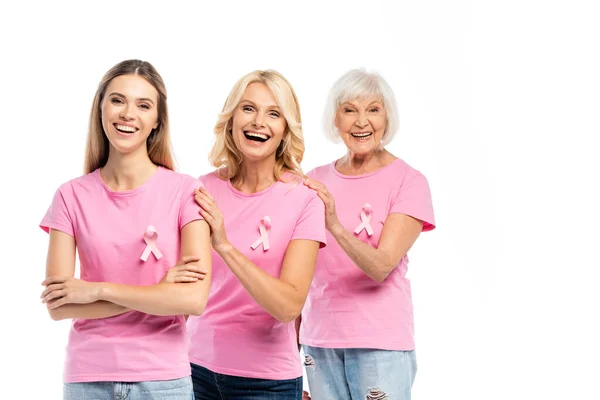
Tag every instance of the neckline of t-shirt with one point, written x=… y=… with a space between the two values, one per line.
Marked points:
x=259 y=193
x=338 y=173
x=127 y=192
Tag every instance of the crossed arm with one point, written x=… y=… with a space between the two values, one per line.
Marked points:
x=68 y=297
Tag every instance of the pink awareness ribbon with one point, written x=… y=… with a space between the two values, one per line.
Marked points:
x=264 y=227
x=151 y=237
x=366 y=215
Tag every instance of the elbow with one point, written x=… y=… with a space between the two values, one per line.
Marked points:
x=197 y=307
x=382 y=273
x=286 y=318
x=196 y=310
x=56 y=315
x=289 y=315
x=385 y=269
x=379 y=277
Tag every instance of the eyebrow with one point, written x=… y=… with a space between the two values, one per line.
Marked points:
x=138 y=99
x=371 y=104
x=254 y=104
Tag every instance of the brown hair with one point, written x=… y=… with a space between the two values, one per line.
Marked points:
x=158 y=143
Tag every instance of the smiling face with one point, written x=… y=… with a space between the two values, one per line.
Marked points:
x=258 y=125
x=129 y=113
x=361 y=124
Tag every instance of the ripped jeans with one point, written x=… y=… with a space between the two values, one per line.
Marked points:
x=359 y=374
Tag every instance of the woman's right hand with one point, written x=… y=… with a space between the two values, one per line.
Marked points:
x=184 y=271
x=305 y=395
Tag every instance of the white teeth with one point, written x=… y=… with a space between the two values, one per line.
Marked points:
x=258 y=135
x=361 y=135
x=125 y=128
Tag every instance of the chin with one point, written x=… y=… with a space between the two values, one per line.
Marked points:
x=255 y=156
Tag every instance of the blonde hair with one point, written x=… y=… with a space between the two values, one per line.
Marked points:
x=158 y=143
x=360 y=84
x=227 y=158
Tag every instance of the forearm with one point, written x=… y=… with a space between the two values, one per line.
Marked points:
x=280 y=299
x=375 y=263
x=160 y=299
x=97 y=310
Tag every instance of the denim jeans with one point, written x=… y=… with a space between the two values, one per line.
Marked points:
x=175 y=389
x=359 y=374
x=212 y=386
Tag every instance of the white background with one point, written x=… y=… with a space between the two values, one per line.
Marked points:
x=499 y=105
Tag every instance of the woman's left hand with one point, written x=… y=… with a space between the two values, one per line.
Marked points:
x=213 y=216
x=331 y=219
x=62 y=290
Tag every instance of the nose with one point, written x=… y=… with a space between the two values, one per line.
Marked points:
x=128 y=112
x=259 y=120
x=361 y=120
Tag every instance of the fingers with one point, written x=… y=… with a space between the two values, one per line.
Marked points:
x=188 y=259
x=207 y=217
x=324 y=197
x=54 y=279
x=316 y=185
x=57 y=303
x=190 y=275
x=51 y=288
x=57 y=294
x=205 y=192
x=185 y=279
x=204 y=203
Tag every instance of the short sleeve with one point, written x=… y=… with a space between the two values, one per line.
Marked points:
x=58 y=216
x=311 y=222
x=189 y=209
x=414 y=199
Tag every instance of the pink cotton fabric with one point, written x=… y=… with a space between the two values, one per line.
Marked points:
x=235 y=335
x=108 y=228
x=345 y=308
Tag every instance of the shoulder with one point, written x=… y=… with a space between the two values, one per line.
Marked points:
x=212 y=180
x=81 y=183
x=320 y=171
x=294 y=190
x=175 y=180
x=403 y=172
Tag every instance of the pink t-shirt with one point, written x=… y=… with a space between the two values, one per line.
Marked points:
x=109 y=228
x=345 y=308
x=235 y=335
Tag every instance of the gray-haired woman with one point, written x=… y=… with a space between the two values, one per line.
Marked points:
x=357 y=324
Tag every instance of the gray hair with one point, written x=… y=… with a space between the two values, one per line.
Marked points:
x=360 y=84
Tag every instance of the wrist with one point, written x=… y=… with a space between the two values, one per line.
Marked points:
x=336 y=229
x=223 y=248
x=103 y=291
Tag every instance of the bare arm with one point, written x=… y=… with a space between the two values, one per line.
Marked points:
x=171 y=298
x=399 y=233
x=397 y=237
x=281 y=297
x=61 y=262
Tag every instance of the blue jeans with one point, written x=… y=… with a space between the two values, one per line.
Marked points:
x=359 y=374
x=209 y=385
x=175 y=389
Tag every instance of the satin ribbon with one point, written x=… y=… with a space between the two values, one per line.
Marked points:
x=151 y=237
x=264 y=227
x=366 y=215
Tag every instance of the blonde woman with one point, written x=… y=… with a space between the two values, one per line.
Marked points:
x=267 y=228
x=130 y=217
